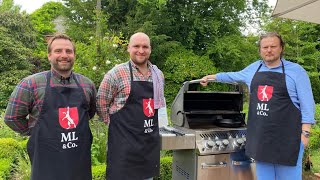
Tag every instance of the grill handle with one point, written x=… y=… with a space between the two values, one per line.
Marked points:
x=243 y=163
x=217 y=165
x=197 y=81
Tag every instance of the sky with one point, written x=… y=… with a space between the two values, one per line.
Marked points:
x=31 y=5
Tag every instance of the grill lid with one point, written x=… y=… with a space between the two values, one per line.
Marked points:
x=192 y=108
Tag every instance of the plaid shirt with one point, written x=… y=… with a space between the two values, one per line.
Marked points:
x=26 y=100
x=115 y=88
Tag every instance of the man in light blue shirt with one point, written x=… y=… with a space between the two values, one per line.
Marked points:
x=281 y=110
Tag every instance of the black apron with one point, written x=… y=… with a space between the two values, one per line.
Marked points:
x=133 y=137
x=60 y=144
x=274 y=122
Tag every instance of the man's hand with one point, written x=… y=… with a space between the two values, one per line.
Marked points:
x=204 y=80
x=304 y=140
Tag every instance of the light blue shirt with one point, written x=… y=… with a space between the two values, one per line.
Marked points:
x=297 y=80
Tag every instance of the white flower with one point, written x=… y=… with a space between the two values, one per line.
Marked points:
x=108 y=62
x=94 y=68
x=115 y=45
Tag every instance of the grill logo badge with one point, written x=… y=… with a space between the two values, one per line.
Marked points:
x=68 y=117
x=148 y=107
x=265 y=92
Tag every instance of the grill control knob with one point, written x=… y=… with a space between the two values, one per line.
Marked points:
x=209 y=144
x=244 y=139
x=218 y=143
x=225 y=142
x=240 y=141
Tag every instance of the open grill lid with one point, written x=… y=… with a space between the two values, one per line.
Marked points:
x=192 y=108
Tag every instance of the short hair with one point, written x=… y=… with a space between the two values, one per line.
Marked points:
x=271 y=34
x=60 y=36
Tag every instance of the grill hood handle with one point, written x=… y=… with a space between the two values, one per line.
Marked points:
x=197 y=81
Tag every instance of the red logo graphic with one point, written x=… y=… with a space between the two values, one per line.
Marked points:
x=148 y=107
x=265 y=92
x=68 y=117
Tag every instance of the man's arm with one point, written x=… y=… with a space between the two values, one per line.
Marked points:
x=106 y=93
x=307 y=104
x=18 y=108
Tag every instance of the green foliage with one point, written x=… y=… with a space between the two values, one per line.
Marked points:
x=165 y=169
x=16 y=37
x=94 y=65
x=99 y=172
x=315 y=158
x=98 y=149
x=5 y=168
x=8 y=5
x=233 y=53
x=81 y=17
x=9 y=148
x=42 y=20
x=314 y=142
x=183 y=65
x=6 y=132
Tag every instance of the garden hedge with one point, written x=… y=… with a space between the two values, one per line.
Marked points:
x=98 y=172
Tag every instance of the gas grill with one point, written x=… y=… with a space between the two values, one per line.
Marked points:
x=208 y=135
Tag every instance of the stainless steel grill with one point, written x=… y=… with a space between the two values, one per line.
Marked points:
x=208 y=135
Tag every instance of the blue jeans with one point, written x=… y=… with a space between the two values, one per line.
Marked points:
x=268 y=171
x=149 y=179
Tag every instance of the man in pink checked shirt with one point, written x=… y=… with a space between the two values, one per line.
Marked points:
x=128 y=101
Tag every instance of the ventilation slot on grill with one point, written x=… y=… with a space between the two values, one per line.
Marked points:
x=182 y=172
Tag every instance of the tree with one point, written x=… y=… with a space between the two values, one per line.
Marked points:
x=42 y=20
x=17 y=38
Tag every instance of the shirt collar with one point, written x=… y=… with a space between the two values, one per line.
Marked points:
x=61 y=79
x=136 y=67
x=280 y=65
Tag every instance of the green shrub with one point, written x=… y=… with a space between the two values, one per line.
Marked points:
x=9 y=148
x=99 y=172
x=98 y=148
x=165 y=169
x=5 y=168
x=314 y=142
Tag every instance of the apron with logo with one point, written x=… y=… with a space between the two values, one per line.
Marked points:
x=60 y=143
x=274 y=122
x=133 y=139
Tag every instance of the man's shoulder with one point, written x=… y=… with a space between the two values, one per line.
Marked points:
x=37 y=77
x=292 y=65
x=119 y=68
x=84 y=78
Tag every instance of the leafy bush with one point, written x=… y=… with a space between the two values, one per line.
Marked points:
x=9 y=148
x=10 y=151
x=5 y=168
x=165 y=169
x=99 y=172
x=98 y=148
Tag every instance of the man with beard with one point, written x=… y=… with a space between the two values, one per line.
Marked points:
x=128 y=101
x=54 y=108
x=281 y=110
